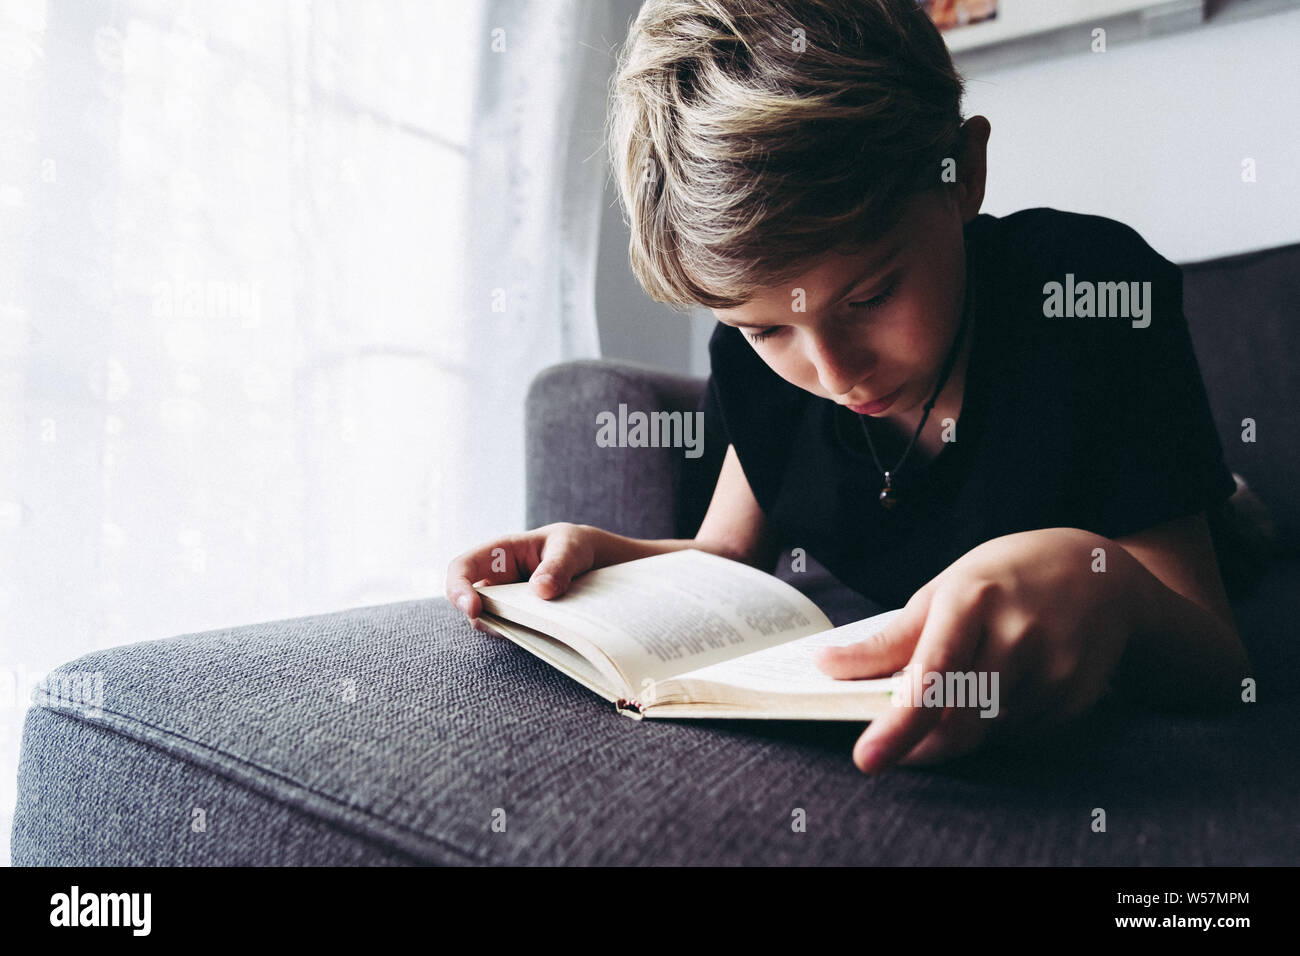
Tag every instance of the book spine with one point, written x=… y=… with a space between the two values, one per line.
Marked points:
x=628 y=708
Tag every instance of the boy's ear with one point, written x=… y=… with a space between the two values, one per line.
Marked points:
x=972 y=166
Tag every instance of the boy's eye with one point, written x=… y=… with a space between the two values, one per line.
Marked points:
x=876 y=301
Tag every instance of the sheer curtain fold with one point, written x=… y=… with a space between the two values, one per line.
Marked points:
x=535 y=216
x=274 y=278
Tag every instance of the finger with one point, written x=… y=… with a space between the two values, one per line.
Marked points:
x=883 y=652
x=968 y=720
x=1052 y=699
x=1092 y=680
x=491 y=564
x=949 y=642
x=1080 y=692
x=961 y=732
x=562 y=557
x=460 y=591
x=480 y=625
x=1001 y=663
x=1026 y=719
x=462 y=594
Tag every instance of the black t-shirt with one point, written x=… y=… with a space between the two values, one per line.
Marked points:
x=1072 y=421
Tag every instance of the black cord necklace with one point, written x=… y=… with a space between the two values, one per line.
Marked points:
x=889 y=494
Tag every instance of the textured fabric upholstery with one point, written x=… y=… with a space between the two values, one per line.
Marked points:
x=639 y=492
x=1241 y=312
x=391 y=734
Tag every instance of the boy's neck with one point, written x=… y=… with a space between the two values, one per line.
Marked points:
x=930 y=443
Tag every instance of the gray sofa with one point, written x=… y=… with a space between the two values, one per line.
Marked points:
x=397 y=734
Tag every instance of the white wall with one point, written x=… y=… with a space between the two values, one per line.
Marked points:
x=632 y=325
x=1153 y=133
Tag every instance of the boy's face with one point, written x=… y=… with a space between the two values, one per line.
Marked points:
x=876 y=326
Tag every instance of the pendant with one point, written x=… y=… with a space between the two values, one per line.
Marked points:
x=888 y=496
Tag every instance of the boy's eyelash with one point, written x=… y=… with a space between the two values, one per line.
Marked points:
x=878 y=300
x=874 y=302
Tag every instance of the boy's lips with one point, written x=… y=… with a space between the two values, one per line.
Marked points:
x=879 y=405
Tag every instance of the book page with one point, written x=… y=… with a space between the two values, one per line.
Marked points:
x=666 y=614
x=556 y=653
x=789 y=668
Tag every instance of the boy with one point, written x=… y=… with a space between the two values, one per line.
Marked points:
x=998 y=423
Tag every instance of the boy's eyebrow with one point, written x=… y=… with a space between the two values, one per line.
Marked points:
x=872 y=268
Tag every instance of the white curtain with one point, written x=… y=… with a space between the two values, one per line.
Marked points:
x=274 y=277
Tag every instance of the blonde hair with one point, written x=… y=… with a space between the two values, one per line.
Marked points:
x=750 y=137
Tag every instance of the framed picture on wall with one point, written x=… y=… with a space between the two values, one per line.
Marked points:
x=970 y=24
x=955 y=14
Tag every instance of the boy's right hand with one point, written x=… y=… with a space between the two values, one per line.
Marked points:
x=549 y=558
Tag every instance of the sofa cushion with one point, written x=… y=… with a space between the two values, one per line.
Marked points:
x=1241 y=315
x=398 y=734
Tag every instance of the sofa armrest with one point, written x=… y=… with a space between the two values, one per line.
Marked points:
x=641 y=492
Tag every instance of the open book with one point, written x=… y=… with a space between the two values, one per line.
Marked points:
x=690 y=634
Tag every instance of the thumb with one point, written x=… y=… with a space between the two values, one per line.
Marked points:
x=562 y=558
x=884 y=652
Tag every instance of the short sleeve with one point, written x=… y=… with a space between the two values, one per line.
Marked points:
x=1148 y=451
x=750 y=407
x=715 y=426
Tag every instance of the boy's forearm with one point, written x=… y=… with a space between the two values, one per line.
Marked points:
x=1179 y=655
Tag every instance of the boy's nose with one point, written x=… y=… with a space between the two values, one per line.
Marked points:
x=838 y=368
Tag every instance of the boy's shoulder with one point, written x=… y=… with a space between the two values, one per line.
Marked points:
x=1067 y=279
x=1049 y=239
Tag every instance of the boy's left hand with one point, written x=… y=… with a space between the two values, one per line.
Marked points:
x=1028 y=607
